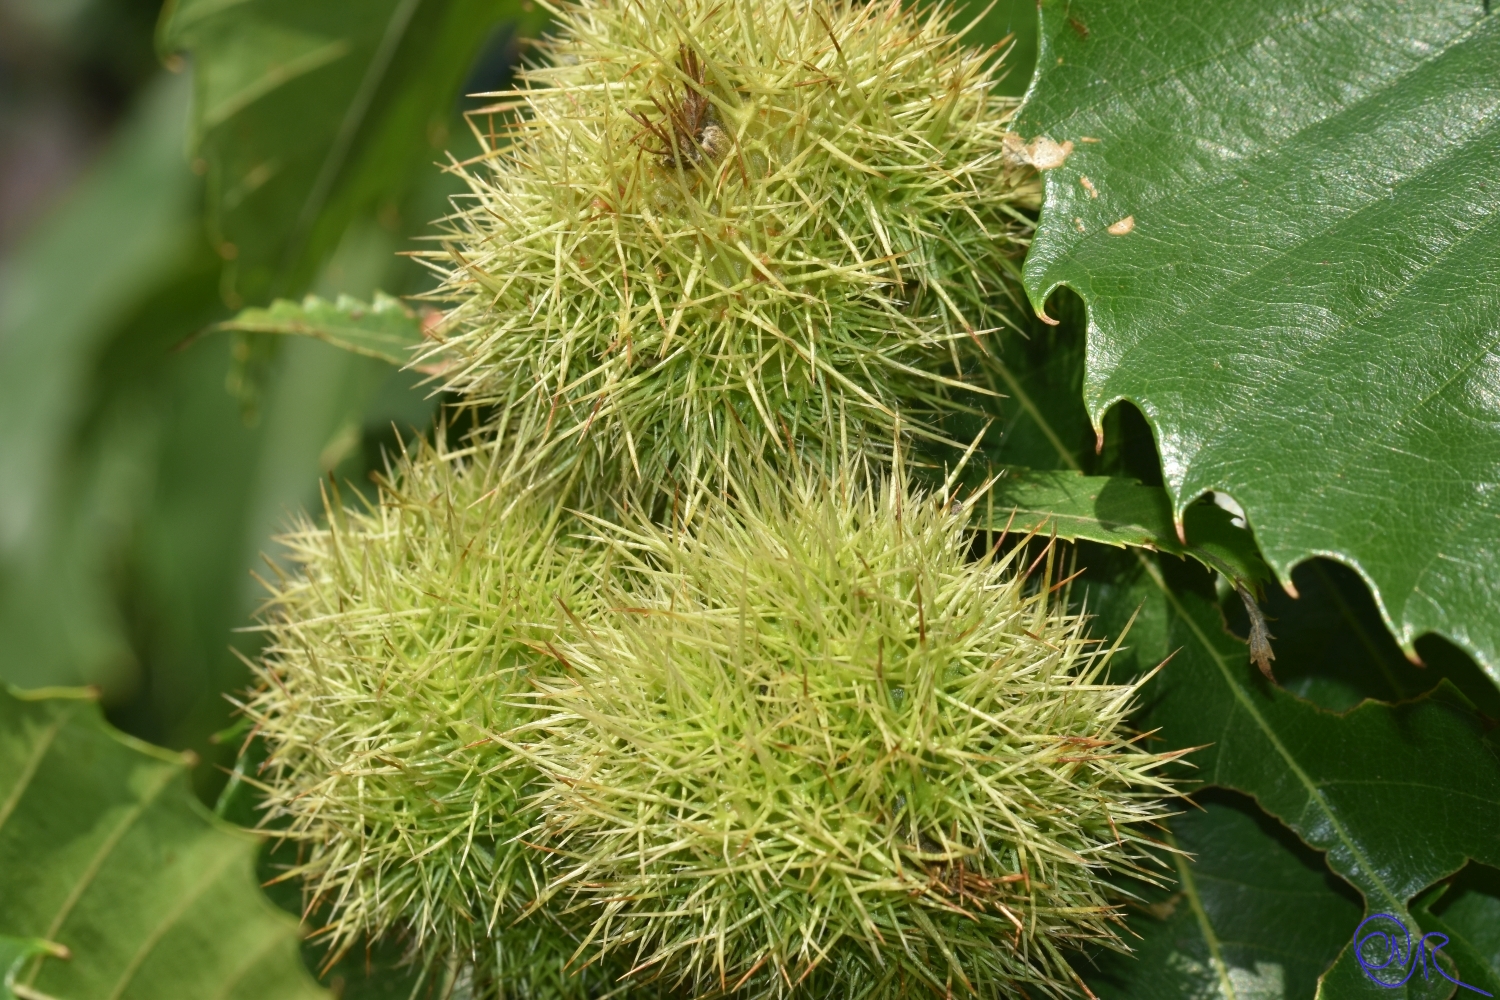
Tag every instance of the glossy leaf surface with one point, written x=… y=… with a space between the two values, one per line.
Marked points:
x=105 y=852
x=1467 y=910
x=1114 y=510
x=1252 y=913
x=1298 y=288
x=1398 y=796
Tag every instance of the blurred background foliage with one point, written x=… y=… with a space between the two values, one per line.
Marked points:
x=144 y=469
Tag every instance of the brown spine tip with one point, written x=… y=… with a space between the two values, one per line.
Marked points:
x=1291 y=589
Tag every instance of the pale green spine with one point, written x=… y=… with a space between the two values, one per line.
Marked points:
x=707 y=232
x=655 y=685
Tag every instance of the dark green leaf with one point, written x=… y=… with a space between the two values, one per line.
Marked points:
x=1012 y=22
x=1117 y=511
x=104 y=851
x=1467 y=909
x=1399 y=796
x=1108 y=509
x=308 y=114
x=1333 y=650
x=1035 y=419
x=383 y=329
x=1306 y=307
x=1253 y=914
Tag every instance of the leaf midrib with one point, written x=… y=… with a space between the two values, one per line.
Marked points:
x=161 y=779
x=168 y=920
x=29 y=771
x=1205 y=926
x=1313 y=791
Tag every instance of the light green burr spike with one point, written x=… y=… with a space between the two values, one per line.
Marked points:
x=400 y=650
x=701 y=232
x=815 y=747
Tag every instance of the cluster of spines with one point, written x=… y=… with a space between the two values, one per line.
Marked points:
x=705 y=227
x=813 y=742
x=395 y=648
x=799 y=740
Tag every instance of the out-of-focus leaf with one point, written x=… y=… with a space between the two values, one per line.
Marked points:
x=111 y=244
x=221 y=492
x=1282 y=215
x=70 y=480
x=72 y=605
x=383 y=329
x=15 y=955
x=1253 y=914
x=1117 y=511
x=163 y=500
x=1399 y=796
x=105 y=851
x=309 y=114
x=1011 y=21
